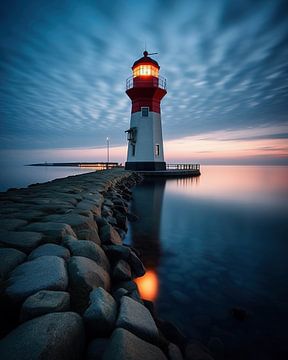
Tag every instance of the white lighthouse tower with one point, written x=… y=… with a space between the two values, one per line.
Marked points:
x=146 y=90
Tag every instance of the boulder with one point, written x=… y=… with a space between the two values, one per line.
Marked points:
x=52 y=231
x=135 y=318
x=11 y=224
x=172 y=333
x=85 y=227
x=50 y=250
x=90 y=206
x=85 y=275
x=45 y=302
x=96 y=348
x=43 y=273
x=124 y=345
x=9 y=259
x=24 y=241
x=121 y=271
x=57 y=336
x=116 y=252
x=174 y=352
x=136 y=264
x=121 y=220
x=109 y=235
x=117 y=294
x=100 y=316
x=89 y=250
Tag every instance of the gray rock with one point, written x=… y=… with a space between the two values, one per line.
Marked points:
x=9 y=259
x=45 y=302
x=109 y=235
x=53 y=231
x=116 y=252
x=136 y=264
x=122 y=271
x=43 y=273
x=57 y=336
x=11 y=224
x=85 y=275
x=134 y=294
x=135 y=318
x=90 y=250
x=121 y=220
x=96 y=348
x=24 y=241
x=85 y=227
x=100 y=316
x=90 y=206
x=174 y=352
x=126 y=346
x=50 y=250
x=128 y=285
x=117 y=294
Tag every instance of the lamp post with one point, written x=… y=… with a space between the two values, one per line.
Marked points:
x=107 y=140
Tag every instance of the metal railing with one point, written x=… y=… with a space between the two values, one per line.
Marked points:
x=183 y=166
x=150 y=81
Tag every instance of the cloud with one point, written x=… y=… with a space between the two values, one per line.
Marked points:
x=64 y=66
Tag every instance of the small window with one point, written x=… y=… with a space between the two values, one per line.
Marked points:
x=145 y=111
x=133 y=149
x=157 y=149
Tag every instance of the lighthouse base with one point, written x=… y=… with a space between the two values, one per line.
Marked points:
x=145 y=165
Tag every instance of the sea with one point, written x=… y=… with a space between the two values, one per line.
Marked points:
x=214 y=246
x=216 y=252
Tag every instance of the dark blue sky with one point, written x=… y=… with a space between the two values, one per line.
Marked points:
x=63 y=68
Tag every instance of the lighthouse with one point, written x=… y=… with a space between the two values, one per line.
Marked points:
x=146 y=89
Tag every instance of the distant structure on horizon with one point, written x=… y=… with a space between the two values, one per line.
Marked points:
x=146 y=89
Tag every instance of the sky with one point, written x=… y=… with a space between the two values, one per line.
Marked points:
x=64 y=65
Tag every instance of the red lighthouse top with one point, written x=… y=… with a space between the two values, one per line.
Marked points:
x=146 y=88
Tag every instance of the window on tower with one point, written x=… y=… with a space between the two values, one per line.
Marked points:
x=133 y=149
x=145 y=70
x=145 y=111
x=157 y=149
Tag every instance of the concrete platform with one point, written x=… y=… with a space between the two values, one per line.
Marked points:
x=171 y=173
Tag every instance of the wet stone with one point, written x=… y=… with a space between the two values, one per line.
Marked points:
x=11 y=224
x=135 y=318
x=124 y=345
x=45 y=302
x=109 y=235
x=9 y=259
x=122 y=271
x=43 y=273
x=89 y=250
x=57 y=336
x=100 y=316
x=24 y=241
x=85 y=275
x=50 y=250
x=52 y=231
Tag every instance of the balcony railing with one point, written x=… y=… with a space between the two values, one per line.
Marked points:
x=146 y=82
x=183 y=166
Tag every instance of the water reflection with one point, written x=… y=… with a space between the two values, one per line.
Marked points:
x=210 y=255
x=145 y=233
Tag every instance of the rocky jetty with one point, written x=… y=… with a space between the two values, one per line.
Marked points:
x=66 y=279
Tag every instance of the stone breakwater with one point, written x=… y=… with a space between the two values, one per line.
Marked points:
x=67 y=289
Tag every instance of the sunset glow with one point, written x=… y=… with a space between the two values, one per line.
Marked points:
x=148 y=285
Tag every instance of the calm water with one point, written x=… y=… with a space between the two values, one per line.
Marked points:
x=16 y=176
x=217 y=242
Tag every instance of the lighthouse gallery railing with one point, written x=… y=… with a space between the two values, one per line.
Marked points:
x=153 y=81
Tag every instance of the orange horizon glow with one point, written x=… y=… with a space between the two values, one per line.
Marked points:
x=218 y=145
x=148 y=285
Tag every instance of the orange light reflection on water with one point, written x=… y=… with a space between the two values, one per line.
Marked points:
x=148 y=285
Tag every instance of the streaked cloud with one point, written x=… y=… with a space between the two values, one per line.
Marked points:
x=64 y=64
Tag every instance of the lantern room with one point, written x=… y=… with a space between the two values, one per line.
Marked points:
x=145 y=67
